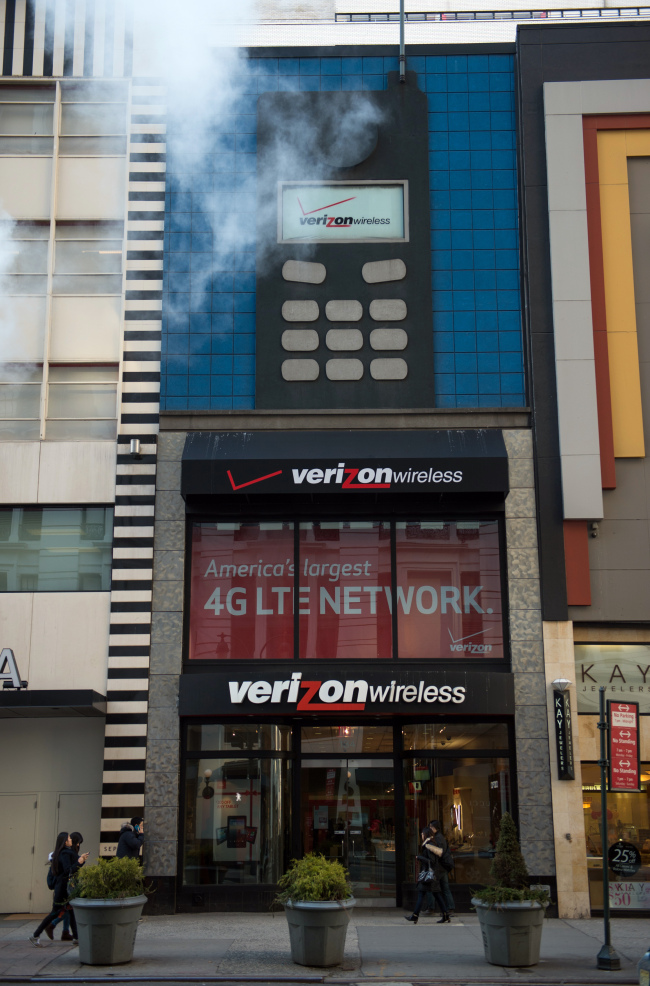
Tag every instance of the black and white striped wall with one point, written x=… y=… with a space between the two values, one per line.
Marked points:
x=131 y=593
x=59 y=38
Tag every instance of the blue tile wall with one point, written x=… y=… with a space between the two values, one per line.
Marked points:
x=209 y=293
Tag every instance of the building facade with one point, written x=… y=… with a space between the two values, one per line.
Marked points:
x=283 y=485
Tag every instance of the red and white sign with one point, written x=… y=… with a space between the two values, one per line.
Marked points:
x=624 y=772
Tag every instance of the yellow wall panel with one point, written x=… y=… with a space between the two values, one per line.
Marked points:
x=625 y=385
x=612 y=164
x=617 y=258
x=614 y=146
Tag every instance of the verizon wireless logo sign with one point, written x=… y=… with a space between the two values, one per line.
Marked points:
x=343 y=476
x=338 y=212
x=340 y=695
x=321 y=691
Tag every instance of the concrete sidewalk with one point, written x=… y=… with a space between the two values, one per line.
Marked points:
x=380 y=946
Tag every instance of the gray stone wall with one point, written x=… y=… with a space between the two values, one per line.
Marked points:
x=162 y=787
x=531 y=725
x=533 y=766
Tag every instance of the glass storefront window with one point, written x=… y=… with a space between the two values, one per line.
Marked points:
x=441 y=599
x=348 y=813
x=237 y=825
x=448 y=589
x=345 y=591
x=623 y=669
x=242 y=591
x=456 y=736
x=347 y=739
x=55 y=549
x=628 y=820
x=238 y=736
x=468 y=796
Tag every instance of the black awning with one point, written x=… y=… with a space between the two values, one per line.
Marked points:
x=308 y=462
x=54 y=703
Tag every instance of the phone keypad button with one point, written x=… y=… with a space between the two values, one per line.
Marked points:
x=344 y=311
x=300 y=340
x=380 y=271
x=300 y=369
x=388 y=369
x=344 y=369
x=300 y=311
x=304 y=272
x=387 y=309
x=388 y=339
x=340 y=340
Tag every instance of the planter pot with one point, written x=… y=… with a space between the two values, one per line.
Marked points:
x=512 y=932
x=317 y=930
x=107 y=928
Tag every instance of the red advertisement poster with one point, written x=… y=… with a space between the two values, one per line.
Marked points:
x=242 y=591
x=448 y=590
x=345 y=591
x=624 y=772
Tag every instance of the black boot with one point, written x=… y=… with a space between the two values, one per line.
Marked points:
x=444 y=919
x=413 y=918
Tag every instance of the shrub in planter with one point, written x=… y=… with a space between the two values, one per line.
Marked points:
x=511 y=913
x=108 y=898
x=317 y=899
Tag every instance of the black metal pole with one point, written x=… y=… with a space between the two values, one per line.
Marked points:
x=402 y=48
x=607 y=957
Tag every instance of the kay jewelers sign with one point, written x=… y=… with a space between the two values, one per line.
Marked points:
x=338 y=212
x=624 y=670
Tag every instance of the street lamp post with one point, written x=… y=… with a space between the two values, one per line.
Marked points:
x=607 y=957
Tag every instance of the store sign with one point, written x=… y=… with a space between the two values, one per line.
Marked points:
x=624 y=858
x=324 y=691
x=563 y=735
x=345 y=464
x=623 y=669
x=341 y=212
x=624 y=766
x=629 y=895
x=9 y=673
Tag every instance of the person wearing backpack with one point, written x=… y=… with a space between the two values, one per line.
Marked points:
x=65 y=862
x=76 y=838
x=428 y=878
x=440 y=848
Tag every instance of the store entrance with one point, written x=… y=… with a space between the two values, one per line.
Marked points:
x=348 y=813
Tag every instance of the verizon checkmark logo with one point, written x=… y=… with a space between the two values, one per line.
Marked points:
x=307 y=217
x=321 y=207
x=251 y=482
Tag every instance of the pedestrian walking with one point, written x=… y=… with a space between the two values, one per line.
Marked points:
x=440 y=846
x=131 y=838
x=77 y=838
x=428 y=878
x=65 y=862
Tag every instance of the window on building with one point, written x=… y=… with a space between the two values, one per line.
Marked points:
x=361 y=590
x=61 y=250
x=20 y=401
x=82 y=402
x=628 y=821
x=237 y=814
x=55 y=549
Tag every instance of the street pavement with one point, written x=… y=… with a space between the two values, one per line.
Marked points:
x=381 y=946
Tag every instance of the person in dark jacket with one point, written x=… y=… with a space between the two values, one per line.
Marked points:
x=429 y=863
x=131 y=838
x=65 y=863
x=441 y=844
x=76 y=838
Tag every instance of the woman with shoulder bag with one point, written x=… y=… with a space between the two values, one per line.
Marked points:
x=65 y=862
x=440 y=848
x=428 y=878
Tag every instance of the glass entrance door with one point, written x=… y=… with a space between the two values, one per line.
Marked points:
x=348 y=813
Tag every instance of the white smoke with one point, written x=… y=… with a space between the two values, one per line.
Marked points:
x=211 y=83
